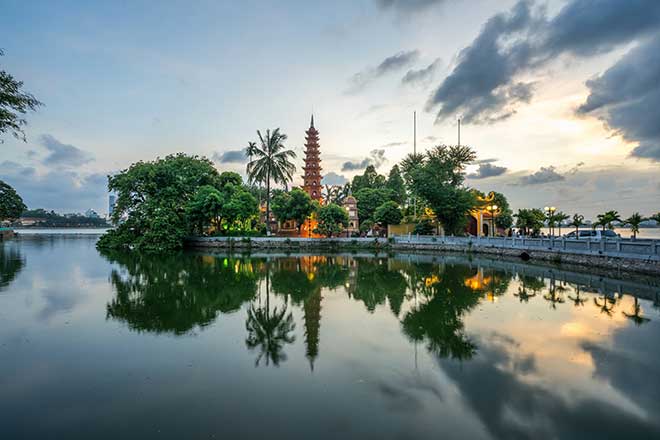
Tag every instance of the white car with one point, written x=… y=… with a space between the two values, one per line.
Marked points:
x=593 y=234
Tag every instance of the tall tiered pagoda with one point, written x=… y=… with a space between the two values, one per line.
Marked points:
x=312 y=177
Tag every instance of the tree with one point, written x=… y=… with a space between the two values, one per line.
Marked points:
x=396 y=186
x=438 y=179
x=205 y=208
x=369 y=179
x=388 y=214
x=295 y=205
x=558 y=218
x=332 y=220
x=368 y=200
x=11 y=204
x=530 y=220
x=578 y=220
x=655 y=217
x=14 y=103
x=504 y=219
x=606 y=219
x=152 y=198
x=271 y=163
x=634 y=221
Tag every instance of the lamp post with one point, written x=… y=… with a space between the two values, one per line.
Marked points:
x=550 y=211
x=493 y=211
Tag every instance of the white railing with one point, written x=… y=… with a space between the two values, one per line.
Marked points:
x=625 y=248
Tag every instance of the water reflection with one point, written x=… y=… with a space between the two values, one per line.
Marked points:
x=11 y=264
x=176 y=293
x=417 y=345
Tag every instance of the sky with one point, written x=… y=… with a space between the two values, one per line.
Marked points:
x=558 y=98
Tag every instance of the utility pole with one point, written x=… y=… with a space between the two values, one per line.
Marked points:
x=459 y=131
x=415 y=155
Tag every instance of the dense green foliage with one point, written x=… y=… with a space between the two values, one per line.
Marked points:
x=388 y=214
x=14 y=104
x=396 y=185
x=152 y=201
x=295 y=205
x=530 y=221
x=369 y=179
x=11 y=204
x=270 y=162
x=332 y=219
x=368 y=200
x=227 y=208
x=437 y=178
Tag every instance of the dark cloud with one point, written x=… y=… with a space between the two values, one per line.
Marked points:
x=390 y=64
x=484 y=86
x=408 y=6
x=626 y=97
x=487 y=170
x=231 y=156
x=66 y=155
x=421 y=76
x=60 y=189
x=543 y=175
x=333 y=178
x=376 y=158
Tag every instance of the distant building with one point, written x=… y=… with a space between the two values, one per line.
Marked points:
x=91 y=214
x=112 y=199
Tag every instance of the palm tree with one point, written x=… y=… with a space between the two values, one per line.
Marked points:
x=271 y=163
x=634 y=221
x=607 y=305
x=605 y=220
x=577 y=301
x=578 y=220
x=559 y=218
x=269 y=331
x=655 y=217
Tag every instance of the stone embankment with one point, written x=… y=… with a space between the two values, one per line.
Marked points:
x=640 y=256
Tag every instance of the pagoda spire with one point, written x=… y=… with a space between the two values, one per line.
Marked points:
x=312 y=177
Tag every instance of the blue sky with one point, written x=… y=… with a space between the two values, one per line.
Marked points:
x=127 y=81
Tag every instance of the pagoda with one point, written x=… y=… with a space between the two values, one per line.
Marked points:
x=312 y=177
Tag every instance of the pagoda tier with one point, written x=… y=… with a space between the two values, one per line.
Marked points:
x=312 y=177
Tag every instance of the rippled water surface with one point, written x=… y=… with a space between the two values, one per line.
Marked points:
x=202 y=345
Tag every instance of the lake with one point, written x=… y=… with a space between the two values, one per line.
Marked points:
x=200 y=345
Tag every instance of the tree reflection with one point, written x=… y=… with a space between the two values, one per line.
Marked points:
x=175 y=293
x=269 y=332
x=11 y=264
x=555 y=294
x=577 y=300
x=636 y=315
x=606 y=304
x=375 y=282
x=439 y=319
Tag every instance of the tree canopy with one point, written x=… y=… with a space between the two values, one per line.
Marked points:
x=437 y=177
x=295 y=205
x=388 y=214
x=530 y=221
x=11 y=204
x=14 y=104
x=152 y=198
x=332 y=220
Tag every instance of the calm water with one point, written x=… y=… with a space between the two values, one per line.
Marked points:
x=349 y=346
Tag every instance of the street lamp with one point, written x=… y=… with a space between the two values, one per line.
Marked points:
x=493 y=210
x=550 y=210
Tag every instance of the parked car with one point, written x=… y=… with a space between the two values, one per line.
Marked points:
x=593 y=234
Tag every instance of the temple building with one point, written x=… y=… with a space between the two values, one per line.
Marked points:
x=312 y=177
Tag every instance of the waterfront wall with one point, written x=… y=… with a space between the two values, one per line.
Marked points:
x=641 y=256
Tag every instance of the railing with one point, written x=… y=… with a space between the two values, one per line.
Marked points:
x=623 y=248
